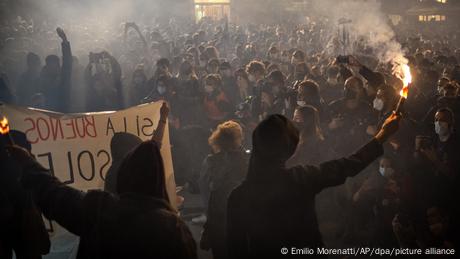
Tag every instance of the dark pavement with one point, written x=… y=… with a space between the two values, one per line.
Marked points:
x=191 y=208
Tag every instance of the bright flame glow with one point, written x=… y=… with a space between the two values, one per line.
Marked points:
x=4 y=126
x=406 y=77
x=404 y=91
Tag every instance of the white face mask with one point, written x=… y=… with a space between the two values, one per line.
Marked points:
x=385 y=171
x=208 y=89
x=378 y=104
x=382 y=170
x=301 y=103
x=442 y=128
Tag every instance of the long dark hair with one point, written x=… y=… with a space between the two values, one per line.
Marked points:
x=310 y=116
x=142 y=171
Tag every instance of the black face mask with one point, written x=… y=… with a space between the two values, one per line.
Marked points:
x=349 y=94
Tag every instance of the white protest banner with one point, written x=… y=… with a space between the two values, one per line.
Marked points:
x=76 y=147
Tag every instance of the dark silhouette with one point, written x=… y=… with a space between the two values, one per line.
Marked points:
x=140 y=223
x=275 y=207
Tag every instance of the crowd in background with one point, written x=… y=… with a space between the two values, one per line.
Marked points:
x=214 y=71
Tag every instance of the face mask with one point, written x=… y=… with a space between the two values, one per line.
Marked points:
x=386 y=171
x=382 y=170
x=251 y=78
x=208 y=89
x=301 y=103
x=378 y=104
x=161 y=89
x=332 y=81
x=441 y=128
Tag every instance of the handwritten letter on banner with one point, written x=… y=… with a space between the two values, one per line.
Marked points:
x=76 y=147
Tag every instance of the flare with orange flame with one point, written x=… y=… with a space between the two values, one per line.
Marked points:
x=406 y=77
x=4 y=126
x=5 y=130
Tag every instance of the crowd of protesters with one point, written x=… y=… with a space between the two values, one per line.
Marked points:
x=221 y=81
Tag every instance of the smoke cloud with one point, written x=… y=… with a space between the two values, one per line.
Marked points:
x=368 y=24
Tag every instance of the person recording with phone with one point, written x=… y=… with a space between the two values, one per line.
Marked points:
x=103 y=80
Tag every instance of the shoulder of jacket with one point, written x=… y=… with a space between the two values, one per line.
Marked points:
x=100 y=195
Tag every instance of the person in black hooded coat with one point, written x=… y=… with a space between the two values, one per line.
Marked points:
x=139 y=223
x=21 y=223
x=275 y=206
x=120 y=145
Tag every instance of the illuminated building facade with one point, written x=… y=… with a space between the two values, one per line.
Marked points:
x=214 y=9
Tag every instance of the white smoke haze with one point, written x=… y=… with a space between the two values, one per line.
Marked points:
x=98 y=25
x=368 y=23
x=91 y=25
